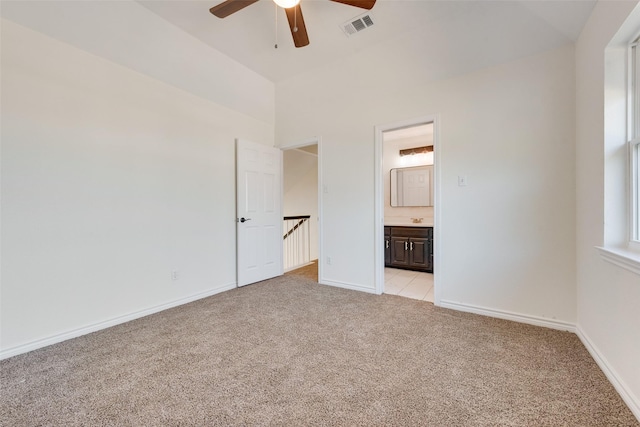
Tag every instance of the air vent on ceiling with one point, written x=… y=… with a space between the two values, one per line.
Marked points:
x=357 y=24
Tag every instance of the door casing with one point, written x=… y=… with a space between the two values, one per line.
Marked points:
x=317 y=140
x=379 y=198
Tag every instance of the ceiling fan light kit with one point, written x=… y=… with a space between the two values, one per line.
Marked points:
x=293 y=11
x=416 y=150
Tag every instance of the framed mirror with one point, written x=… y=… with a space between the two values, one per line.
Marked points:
x=412 y=186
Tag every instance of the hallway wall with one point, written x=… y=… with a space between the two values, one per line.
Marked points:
x=301 y=191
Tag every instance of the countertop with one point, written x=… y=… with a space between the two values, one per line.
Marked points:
x=408 y=224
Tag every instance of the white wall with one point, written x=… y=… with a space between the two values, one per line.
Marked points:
x=126 y=33
x=509 y=128
x=110 y=180
x=608 y=297
x=300 y=182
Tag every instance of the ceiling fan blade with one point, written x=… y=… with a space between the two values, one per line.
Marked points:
x=364 y=4
x=228 y=7
x=298 y=29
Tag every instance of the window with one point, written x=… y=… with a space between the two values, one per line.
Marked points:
x=634 y=154
x=621 y=237
x=634 y=145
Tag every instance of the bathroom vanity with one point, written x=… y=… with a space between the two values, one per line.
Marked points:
x=409 y=247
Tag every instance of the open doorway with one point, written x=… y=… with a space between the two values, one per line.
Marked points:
x=301 y=211
x=406 y=209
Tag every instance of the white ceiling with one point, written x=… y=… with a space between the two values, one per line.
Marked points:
x=181 y=43
x=492 y=31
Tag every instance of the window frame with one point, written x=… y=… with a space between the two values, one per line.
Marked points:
x=634 y=193
x=633 y=172
x=620 y=246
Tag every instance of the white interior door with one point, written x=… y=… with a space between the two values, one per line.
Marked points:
x=259 y=212
x=416 y=187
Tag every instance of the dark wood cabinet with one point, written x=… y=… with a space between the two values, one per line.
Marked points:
x=419 y=253
x=409 y=247
x=387 y=245
x=399 y=251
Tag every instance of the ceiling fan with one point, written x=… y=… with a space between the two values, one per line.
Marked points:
x=291 y=7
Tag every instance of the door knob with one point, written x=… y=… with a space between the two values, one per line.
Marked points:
x=243 y=219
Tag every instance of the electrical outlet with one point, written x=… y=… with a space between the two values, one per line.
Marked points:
x=174 y=275
x=328 y=260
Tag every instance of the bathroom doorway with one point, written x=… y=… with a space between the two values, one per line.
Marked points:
x=406 y=209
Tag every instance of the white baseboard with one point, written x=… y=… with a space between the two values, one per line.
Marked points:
x=632 y=401
x=350 y=286
x=508 y=315
x=54 y=339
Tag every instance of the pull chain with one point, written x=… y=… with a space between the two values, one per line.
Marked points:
x=295 y=19
x=276 y=45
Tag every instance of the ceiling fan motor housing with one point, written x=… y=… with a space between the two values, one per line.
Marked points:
x=294 y=14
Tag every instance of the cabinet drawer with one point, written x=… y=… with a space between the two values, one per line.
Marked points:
x=424 y=232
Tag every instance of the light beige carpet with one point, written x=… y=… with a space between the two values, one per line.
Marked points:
x=291 y=352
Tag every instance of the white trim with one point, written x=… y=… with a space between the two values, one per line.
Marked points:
x=315 y=140
x=378 y=212
x=634 y=178
x=437 y=208
x=350 y=286
x=74 y=333
x=379 y=199
x=509 y=315
x=633 y=402
x=320 y=211
x=622 y=258
x=633 y=137
x=301 y=143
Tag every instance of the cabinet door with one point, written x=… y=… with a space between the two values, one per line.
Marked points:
x=387 y=250
x=430 y=255
x=399 y=251
x=419 y=253
x=387 y=246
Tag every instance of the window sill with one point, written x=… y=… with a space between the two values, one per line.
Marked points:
x=622 y=258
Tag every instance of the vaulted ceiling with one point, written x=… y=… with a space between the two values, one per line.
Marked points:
x=458 y=33
x=444 y=37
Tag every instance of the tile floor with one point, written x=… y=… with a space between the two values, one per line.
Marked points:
x=410 y=284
